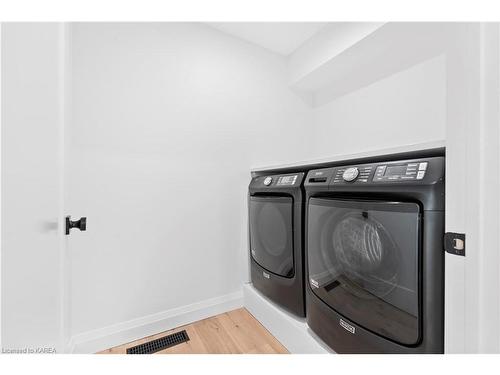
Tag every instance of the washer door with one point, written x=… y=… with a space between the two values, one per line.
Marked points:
x=363 y=261
x=271 y=233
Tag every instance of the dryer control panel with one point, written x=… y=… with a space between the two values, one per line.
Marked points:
x=285 y=181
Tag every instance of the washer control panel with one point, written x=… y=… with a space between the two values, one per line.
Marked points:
x=400 y=172
x=422 y=171
x=394 y=171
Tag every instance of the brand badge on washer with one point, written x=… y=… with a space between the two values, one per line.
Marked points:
x=265 y=274
x=347 y=326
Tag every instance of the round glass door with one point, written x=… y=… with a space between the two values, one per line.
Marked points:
x=363 y=260
x=271 y=233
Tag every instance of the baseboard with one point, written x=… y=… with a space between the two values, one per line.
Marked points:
x=290 y=330
x=121 y=333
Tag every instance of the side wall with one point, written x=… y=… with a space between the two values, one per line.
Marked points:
x=166 y=121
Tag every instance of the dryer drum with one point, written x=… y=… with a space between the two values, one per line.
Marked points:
x=272 y=231
x=364 y=252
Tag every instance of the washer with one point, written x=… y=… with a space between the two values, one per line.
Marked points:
x=375 y=256
x=276 y=205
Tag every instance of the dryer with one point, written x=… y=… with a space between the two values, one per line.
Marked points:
x=375 y=257
x=276 y=204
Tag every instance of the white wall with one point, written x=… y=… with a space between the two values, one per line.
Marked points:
x=166 y=121
x=406 y=108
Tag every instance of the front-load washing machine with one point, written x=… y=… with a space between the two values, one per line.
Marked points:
x=276 y=204
x=375 y=256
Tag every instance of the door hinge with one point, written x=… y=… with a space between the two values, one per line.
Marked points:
x=454 y=243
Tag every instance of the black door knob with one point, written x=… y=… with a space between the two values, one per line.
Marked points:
x=80 y=224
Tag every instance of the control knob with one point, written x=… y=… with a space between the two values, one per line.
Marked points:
x=268 y=181
x=350 y=174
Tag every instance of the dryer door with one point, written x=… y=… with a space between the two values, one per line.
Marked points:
x=271 y=233
x=363 y=261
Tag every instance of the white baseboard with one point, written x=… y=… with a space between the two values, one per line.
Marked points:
x=121 y=333
x=290 y=330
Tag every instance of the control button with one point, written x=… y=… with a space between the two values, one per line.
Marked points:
x=350 y=174
x=422 y=166
x=420 y=175
x=412 y=165
x=268 y=181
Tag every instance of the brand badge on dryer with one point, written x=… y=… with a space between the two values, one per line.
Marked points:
x=347 y=326
x=314 y=283
x=265 y=274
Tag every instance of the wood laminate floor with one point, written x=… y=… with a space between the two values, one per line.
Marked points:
x=234 y=332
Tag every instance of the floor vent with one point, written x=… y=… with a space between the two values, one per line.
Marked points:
x=160 y=344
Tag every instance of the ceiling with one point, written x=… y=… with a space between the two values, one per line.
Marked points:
x=279 y=37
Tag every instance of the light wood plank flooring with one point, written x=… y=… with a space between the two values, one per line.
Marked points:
x=235 y=332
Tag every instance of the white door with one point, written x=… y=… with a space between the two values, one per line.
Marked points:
x=33 y=242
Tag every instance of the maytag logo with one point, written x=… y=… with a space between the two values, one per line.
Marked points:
x=265 y=274
x=347 y=326
x=314 y=283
